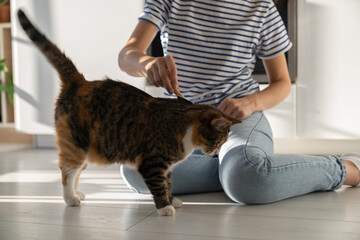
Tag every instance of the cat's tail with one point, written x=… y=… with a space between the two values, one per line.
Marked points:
x=64 y=66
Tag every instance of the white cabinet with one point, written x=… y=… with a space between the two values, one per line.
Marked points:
x=328 y=80
x=90 y=32
x=282 y=118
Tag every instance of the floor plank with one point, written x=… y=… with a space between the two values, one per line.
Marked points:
x=254 y=227
x=337 y=205
x=31 y=231
x=31 y=207
x=84 y=216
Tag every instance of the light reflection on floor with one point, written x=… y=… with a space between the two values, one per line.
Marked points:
x=100 y=187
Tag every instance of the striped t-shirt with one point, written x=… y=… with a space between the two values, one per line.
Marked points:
x=215 y=43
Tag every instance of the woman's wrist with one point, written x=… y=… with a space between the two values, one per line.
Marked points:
x=134 y=63
x=253 y=102
x=271 y=96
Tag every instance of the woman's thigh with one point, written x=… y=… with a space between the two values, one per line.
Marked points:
x=250 y=172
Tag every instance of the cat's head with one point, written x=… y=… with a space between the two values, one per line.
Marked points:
x=211 y=130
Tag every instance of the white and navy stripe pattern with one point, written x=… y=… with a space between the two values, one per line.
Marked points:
x=215 y=43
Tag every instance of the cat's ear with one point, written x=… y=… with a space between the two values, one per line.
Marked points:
x=224 y=122
x=233 y=120
x=221 y=123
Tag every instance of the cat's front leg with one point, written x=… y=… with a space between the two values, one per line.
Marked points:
x=161 y=197
x=155 y=180
x=176 y=202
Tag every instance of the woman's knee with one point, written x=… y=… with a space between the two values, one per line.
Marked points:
x=245 y=177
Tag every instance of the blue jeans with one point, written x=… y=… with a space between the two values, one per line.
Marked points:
x=248 y=171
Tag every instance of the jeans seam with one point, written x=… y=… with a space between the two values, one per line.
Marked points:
x=298 y=164
x=248 y=139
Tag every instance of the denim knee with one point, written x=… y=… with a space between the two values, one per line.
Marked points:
x=245 y=177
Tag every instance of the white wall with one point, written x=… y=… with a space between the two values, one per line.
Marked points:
x=90 y=32
x=328 y=69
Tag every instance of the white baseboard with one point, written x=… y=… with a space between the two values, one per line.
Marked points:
x=315 y=146
x=44 y=141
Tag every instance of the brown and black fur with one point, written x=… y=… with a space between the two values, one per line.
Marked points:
x=109 y=122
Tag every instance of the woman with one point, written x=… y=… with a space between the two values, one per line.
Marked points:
x=210 y=49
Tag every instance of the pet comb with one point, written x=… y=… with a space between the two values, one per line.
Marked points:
x=178 y=93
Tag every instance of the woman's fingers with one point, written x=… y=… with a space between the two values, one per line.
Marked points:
x=239 y=108
x=170 y=64
x=153 y=76
x=163 y=73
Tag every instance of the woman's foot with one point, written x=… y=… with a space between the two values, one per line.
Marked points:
x=352 y=164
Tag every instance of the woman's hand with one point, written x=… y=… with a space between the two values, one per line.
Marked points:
x=162 y=73
x=133 y=60
x=278 y=89
x=239 y=108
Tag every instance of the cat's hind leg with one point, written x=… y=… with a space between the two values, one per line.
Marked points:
x=71 y=163
x=80 y=194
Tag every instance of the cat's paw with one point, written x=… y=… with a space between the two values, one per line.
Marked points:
x=81 y=195
x=169 y=210
x=73 y=201
x=176 y=202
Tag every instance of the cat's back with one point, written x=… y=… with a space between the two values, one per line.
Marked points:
x=90 y=110
x=116 y=121
x=94 y=97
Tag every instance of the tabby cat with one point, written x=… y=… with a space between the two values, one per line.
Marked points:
x=107 y=122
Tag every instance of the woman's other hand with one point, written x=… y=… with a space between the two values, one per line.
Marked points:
x=239 y=108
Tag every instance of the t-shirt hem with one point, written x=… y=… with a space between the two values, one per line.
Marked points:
x=152 y=20
x=277 y=53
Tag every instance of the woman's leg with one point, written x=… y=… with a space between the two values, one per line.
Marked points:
x=251 y=173
x=199 y=173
